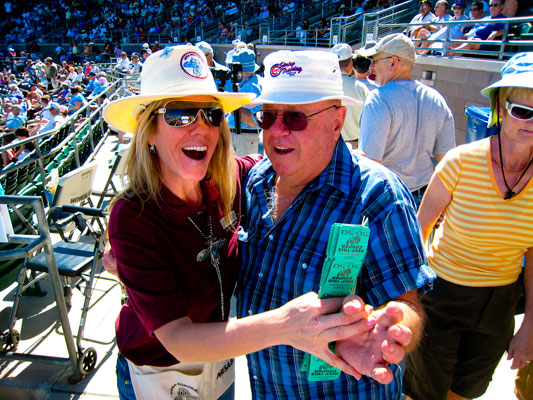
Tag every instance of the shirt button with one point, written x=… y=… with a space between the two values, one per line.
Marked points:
x=271 y=237
x=304 y=265
x=255 y=377
x=260 y=274
x=250 y=312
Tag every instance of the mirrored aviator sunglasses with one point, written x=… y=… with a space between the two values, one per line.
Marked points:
x=520 y=111
x=179 y=117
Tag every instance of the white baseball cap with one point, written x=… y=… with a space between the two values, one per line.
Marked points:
x=343 y=50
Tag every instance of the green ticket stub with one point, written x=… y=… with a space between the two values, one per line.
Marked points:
x=340 y=280
x=346 y=250
x=351 y=244
x=319 y=370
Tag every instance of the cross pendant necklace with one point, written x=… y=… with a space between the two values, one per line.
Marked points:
x=212 y=251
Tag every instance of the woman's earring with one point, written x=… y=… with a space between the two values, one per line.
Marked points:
x=151 y=149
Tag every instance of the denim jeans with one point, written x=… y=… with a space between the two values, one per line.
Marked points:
x=125 y=388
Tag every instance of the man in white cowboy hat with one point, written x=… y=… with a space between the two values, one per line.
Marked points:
x=353 y=88
x=246 y=140
x=405 y=125
x=309 y=181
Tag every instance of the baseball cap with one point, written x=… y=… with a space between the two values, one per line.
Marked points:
x=55 y=106
x=459 y=3
x=343 y=51
x=396 y=44
x=205 y=47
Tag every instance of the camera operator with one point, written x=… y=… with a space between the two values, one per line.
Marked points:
x=221 y=73
x=248 y=140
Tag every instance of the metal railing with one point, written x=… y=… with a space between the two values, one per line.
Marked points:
x=383 y=22
x=89 y=118
x=507 y=46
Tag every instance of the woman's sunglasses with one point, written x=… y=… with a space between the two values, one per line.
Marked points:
x=180 y=117
x=519 y=111
x=293 y=120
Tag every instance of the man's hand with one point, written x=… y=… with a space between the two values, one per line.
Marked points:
x=371 y=352
x=310 y=324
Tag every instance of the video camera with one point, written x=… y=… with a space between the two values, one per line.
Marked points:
x=234 y=74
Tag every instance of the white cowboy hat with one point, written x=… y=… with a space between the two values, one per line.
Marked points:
x=174 y=72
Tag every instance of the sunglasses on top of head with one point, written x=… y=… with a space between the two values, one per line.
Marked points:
x=293 y=120
x=178 y=116
x=519 y=111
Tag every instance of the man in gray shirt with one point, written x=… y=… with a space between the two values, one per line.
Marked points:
x=404 y=124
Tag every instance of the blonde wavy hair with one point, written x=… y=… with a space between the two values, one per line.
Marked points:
x=144 y=172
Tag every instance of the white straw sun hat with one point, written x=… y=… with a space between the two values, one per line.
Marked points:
x=174 y=72
x=302 y=77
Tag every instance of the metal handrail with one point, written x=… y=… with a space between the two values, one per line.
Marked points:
x=502 y=43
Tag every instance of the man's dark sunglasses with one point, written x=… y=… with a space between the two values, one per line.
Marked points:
x=180 y=117
x=293 y=120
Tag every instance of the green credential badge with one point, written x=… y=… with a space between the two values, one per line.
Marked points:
x=346 y=250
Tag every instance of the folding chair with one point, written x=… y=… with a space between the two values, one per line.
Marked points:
x=74 y=259
x=82 y=361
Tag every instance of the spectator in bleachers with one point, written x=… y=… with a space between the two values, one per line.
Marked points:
x=145 y=53
x=72 y=74
x=441 y=13
x=91 y=84
x=45 y=113
x=63 y=93
x=8 y=155
x=123 y=64
x=51 y=71
x=56 y=118
x=26 y=148
x=135 y=65
x=425 y=15
x=483 y=31
x=15 y=119
x=156 y=47
x=470 y=4
x=455 y=30
x=76 y=99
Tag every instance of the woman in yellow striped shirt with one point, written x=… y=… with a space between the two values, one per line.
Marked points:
x=485 y=190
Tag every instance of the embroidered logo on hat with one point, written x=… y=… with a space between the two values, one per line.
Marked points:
x=194 y=65
x=287 y=68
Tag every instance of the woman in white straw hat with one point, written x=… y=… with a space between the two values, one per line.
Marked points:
x=174 y=235
x=485 y=190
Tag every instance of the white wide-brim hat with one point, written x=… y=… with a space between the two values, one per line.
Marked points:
x=302 y=77
x=176 y=72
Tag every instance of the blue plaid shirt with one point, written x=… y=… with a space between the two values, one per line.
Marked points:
x=284 y=260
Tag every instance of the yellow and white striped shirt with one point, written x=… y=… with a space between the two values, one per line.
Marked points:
x=484 y=237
